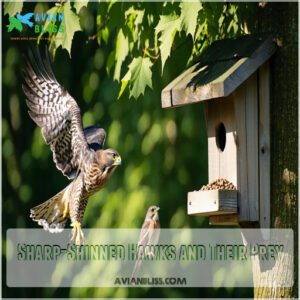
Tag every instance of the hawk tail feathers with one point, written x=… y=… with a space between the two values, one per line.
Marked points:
x=52 y=214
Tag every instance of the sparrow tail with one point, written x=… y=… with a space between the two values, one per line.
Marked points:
x=136 y=268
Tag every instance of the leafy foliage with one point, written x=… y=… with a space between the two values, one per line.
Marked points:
x=70 y=25
x=143 y=33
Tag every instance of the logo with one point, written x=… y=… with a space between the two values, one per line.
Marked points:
x=40 y=22
x=18 y=21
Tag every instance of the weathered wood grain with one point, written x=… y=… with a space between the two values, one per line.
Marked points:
x=264 y=145
x=252 y=147
x=220 y=78
x=212 y=202
x=224 y=220
x=212 y=119
x=228 y=157
x=246 y=111
x=242 y=165
x=221 y=164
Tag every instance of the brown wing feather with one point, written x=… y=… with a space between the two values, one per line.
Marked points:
x=56 y=113
x=95 y=137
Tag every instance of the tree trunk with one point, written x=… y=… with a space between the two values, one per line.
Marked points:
x=281 y=19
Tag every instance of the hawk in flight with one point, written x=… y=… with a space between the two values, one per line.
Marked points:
x=78 y=153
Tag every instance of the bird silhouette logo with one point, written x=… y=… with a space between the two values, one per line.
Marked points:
x=18 y=21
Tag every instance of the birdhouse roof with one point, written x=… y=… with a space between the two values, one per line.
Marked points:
x=221 y=68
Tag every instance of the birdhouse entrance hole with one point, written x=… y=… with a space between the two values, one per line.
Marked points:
x=221 y=137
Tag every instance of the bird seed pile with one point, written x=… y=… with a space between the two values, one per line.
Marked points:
x=219 y=184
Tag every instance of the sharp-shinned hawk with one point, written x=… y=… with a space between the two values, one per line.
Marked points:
x=78 y=153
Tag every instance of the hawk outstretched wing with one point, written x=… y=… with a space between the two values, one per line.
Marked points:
x=53 y=109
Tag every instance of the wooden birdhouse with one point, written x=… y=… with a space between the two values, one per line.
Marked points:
x=232 y=81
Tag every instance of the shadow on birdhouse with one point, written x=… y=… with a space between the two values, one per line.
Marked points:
x=232 y=80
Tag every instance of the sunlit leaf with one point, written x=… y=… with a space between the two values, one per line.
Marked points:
x=105 y=34
x=189 y=14
x=121 y=53
x=134 y=19
x=71 y=25
x=79 y=4
x=12 y=8
x=125 y=81
x=103 y=31
x=167 y=28
x=110 y=5
x=140 y=76
x=110 y=61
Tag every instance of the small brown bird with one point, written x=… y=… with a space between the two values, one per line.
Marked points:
x=78 y=153
x=149 y=236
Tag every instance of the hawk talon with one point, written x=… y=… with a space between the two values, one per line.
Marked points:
x=77 y=234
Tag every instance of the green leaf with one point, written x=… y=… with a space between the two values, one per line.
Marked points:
x=133 y=22
x=103 y=31
x=71 y=25
x=122 y=49
x=167 y=27
x=125 y=81
x=12 y=8
x=105 y=34
x=110 y=61
x=139 y=75
x=189 y=16
x=110 y=5
x=79 y=4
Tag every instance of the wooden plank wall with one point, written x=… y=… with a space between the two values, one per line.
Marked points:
x=252 y=146
x=222 y=164
x=246 y=108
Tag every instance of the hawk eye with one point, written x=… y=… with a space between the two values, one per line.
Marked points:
x=152 y=209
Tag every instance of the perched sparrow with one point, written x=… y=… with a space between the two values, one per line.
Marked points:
x=149 y=236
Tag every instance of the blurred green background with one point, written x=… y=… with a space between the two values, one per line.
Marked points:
x=164 y=152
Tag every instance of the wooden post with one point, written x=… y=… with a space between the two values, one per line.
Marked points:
x=264 y=145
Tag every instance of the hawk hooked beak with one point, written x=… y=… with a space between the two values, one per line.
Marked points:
x=117 y=160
